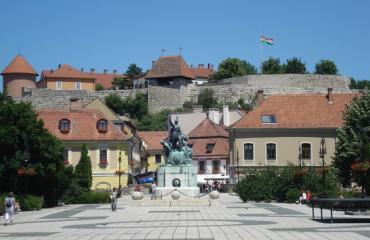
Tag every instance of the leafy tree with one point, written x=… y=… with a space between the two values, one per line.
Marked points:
x=359 y=84
x=326 y=67
x=271 y=66
x=133 y=71
x=352 y=156
x=294 y=65
x=137 y=107
x=31 y=159
x=99 y=87
x=207 y=98
x=121 y=83
x=233 y=67
x=83 y=172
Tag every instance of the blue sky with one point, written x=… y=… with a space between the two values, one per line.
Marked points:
x=112 y=34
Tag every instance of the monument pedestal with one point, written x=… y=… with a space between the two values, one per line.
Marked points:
x=183 y=178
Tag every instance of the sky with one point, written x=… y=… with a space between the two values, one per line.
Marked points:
x=111 y=34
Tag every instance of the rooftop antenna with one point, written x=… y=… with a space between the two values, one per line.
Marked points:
x=180 y=51
x=162 y=51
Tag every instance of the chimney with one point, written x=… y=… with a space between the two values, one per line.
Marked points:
x=209 y=66
x=59 y=65
x=330 y=95
x=153 y=62
x=259 y=97
x=92 y=70
x=114 y=71
x=75 y=104
x=214 y=115
x=105 y=71
x=226 y=115
x=201 y=65
x=82 y=69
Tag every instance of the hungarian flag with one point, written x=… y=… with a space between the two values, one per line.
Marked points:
x=267 y=40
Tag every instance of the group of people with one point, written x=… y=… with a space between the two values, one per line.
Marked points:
x=305 y=197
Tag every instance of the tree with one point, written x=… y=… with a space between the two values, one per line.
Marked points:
x=233 y=67
x=137 y=107
x=352 y=156
x=133 y=71
x=99 y=87
x=83 y=172
x=326 y=67
x=207 y=98
x=31 y=159
x=271 y=66
x=114 y=102
x=121 y=83
x=359 y=84
x=294 y=65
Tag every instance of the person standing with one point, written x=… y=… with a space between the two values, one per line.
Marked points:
x=9 y=204
x=113 y=198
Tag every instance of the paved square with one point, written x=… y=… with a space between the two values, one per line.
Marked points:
x=229 y=219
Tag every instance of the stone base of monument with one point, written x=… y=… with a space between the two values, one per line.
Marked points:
x=184 y=192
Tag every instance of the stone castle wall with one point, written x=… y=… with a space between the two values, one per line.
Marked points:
x=172 y=97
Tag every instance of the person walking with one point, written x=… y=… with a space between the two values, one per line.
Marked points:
x=113 y=198
x=9 y=204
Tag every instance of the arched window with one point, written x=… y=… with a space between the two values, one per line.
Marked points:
x=102 y=125
x=64 y=125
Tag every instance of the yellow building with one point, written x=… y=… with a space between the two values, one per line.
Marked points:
x=104 y=140
x=152 y=155
x=66 y=78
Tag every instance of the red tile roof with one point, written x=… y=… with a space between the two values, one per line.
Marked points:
x=153 y=139
x=19 y=65
x=208 y=132
x=105 y=79
x=201 y=72
x=169 y=67
x=208 y=129
x=299 y=111
x=83 y=125
x=65 y=71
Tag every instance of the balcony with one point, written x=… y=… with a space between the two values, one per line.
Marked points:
x=103 y=163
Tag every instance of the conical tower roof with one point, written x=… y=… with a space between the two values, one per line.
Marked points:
x=19 y=65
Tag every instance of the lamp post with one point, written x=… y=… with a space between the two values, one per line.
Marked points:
x=119 y=172
x=322 y=155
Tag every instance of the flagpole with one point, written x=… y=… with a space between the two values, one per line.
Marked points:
x=260 y=56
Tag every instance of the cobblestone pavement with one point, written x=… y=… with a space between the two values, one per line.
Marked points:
x=227 y=219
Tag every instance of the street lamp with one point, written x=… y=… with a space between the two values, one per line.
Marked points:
x=322 y=155
x=119 y=172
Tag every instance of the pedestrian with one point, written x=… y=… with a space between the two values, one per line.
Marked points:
x=308 y=196
x=113 y=198
x=154 y=187
x=9 y=204
x=303 y=197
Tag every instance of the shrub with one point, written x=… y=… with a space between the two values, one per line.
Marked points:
x=30 y=202
x=292 y=195
x=94 y=197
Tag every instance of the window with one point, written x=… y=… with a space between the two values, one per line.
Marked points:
x=268 y=119
x=64 y=125
x=103 y=157
x=271 y=151
x=65 y=155
x=201 y=167
x=158 y=158
x=248 y=151
x=216 y=167
x=59 y=85
x=306 y=151
x=209 y=147
x=102 y=125
x=78 y=86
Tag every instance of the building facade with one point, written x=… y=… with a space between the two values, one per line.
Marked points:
x=288 y=129
x=152 y=155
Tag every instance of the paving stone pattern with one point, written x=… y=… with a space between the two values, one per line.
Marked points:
x=230 y=219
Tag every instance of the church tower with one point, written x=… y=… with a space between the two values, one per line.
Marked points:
x=17 y=75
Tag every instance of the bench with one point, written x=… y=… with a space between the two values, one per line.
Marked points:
x=348 y=204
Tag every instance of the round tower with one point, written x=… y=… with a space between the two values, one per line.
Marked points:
x=17 y=75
